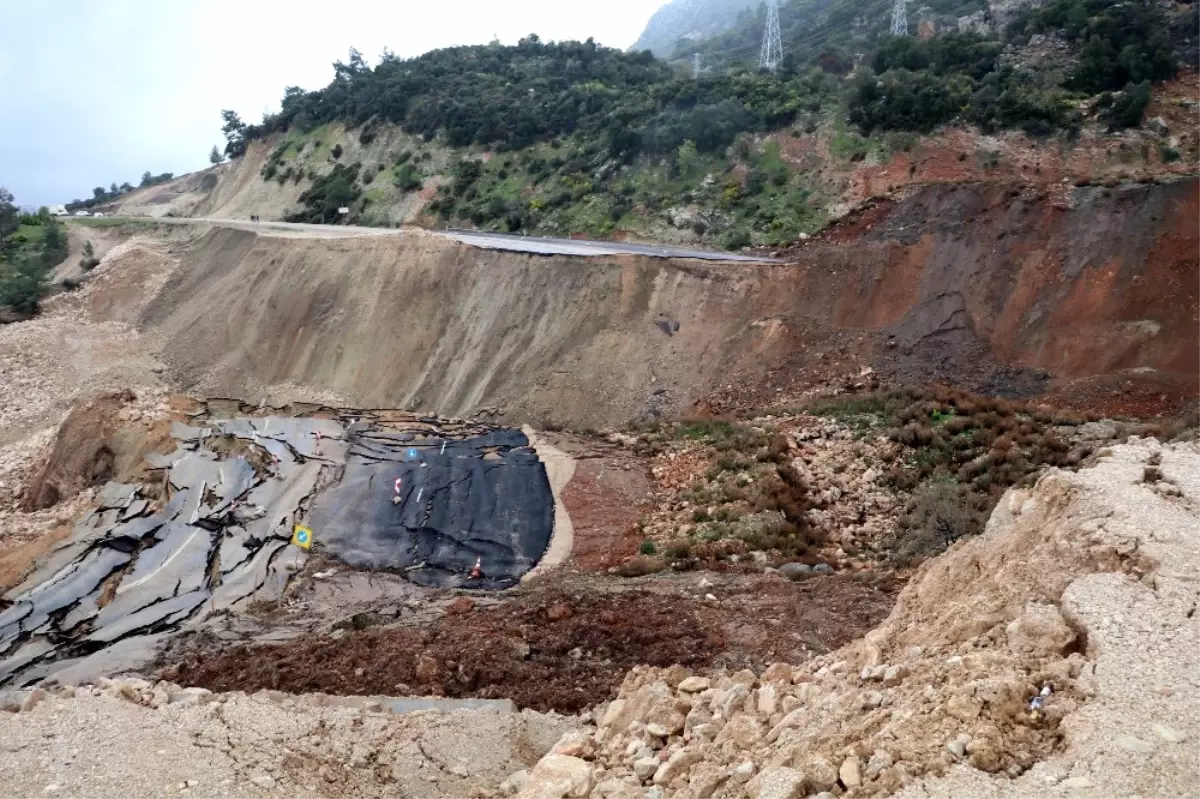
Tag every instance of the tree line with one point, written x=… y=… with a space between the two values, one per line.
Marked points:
x=509 y=97
x=31 y=245
x=103 y=196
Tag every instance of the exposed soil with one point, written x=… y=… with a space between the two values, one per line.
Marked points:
x=96 y=443
x=610 y=491
x=563 y=646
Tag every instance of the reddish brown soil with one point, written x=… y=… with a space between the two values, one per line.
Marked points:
x=610 y=491
x=565 y=646
x=94 y=445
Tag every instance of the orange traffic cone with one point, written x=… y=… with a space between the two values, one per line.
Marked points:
x=477 y=572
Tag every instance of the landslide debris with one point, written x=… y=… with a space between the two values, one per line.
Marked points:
x=562 y=644
x=856 y=480
x=1080 y=594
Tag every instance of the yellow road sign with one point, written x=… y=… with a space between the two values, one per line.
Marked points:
x=302 y=537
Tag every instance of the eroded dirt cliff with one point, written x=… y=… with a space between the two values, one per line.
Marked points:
x=1009 y=290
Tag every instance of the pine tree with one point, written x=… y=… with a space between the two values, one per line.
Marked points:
x=215 y=157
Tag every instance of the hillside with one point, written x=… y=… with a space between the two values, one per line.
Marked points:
x=575 y=139
x=690 y=20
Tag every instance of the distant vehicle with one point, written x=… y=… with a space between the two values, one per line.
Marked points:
x=97 y=214
x=58 y=210
x=82 y=213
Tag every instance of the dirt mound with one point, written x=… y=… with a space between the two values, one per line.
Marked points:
x=1025 y=651
x=558 y=647
x=97 y=443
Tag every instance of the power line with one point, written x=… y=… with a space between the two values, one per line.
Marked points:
x=900 y=18
x=772 y=46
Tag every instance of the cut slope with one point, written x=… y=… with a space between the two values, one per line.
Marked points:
x=989 y=287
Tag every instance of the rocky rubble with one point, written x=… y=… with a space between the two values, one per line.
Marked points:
x=851 y=508
x=21 y=460
x=988 y=665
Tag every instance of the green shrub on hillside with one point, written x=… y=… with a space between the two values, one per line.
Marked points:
x=22 y=285
x=327 y=194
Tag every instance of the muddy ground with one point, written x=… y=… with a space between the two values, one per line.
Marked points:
x=562 y=644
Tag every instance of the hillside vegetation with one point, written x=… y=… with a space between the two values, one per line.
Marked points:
x=31 y=245
x=571 y=137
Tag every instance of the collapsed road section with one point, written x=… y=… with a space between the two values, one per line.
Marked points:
x=230 y=516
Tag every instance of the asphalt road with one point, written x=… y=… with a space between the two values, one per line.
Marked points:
x=484 y=240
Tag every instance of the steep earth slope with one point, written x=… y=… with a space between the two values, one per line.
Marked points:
x=998 y=288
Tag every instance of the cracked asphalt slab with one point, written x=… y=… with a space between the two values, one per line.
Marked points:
x=213 y=533
x=533 y=245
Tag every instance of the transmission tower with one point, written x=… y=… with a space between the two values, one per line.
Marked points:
x=900 y=18
x=772 y=46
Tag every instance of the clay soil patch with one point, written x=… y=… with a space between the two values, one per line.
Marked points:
x=610 y=491
x=563 y=647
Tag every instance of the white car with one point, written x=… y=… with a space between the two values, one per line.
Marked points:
x=97 y=214
x=82 y=213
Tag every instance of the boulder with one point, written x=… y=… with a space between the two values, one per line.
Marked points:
x=742 y=730
x=795 y=571
x=1040 y=631
x=704 y=780
x=777 y=783
x=558 y=777
x=677 y=765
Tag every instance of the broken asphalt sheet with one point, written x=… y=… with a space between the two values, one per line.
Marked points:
x=409 y=495
x=434 y=508
x=129 y=571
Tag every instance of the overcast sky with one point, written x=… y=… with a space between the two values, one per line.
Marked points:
x=97 y=91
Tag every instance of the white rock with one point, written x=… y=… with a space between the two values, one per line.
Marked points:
x=1076 y=782
x=657 y=730
x=558 y=777
x=743 y=772
x=958 y=747
x=264 y=781
x=1169 y=734
x=849 y=773
x=514 y=783
x=644 y=768
x=694 y=685
x=777 y=783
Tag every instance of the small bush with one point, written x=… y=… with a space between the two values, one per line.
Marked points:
x=336 y=152
x=208 y=182
x=1152 y=474
x=678 y=549
x=648 y=548
x=1168 y=154
x=89 y=261
x=939 y=513
x=735 y=239
x=640 y=567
